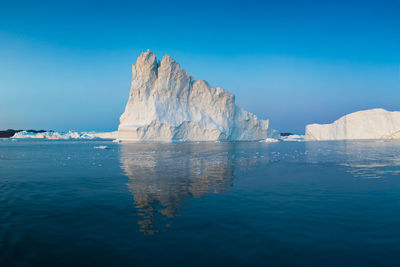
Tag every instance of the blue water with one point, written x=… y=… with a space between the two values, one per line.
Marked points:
x=194 y=204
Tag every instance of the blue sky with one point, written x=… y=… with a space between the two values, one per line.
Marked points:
x=67 y=64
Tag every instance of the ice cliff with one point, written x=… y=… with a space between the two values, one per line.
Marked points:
x=367 y=124
x=166 y=103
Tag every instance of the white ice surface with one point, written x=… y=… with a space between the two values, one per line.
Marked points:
x=65 y=136
x=366 y=124
x=270 y=140
x=166 y=103
x=293 y=137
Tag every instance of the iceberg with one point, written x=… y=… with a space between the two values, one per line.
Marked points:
x=293 y=138
x=166 y=103
x=366 y=124
x=270 y=140
x=51 y=135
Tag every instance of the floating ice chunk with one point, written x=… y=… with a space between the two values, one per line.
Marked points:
x=270 y=140
x=100 y=147
x=293 y=137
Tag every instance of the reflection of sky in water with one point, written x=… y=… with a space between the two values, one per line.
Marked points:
x=238 y=203
x=363 y=159
x=163 y=176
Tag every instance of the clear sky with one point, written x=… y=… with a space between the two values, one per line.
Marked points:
x=67 y=64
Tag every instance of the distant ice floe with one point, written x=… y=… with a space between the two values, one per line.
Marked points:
x=100 y=147
x=65 y=136
x=293 y=137
x=270 y=140
x=52 y=135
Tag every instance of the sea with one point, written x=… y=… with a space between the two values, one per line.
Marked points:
x=100 y=203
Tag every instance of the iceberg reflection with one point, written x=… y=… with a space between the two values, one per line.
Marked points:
x=162 y=176
x=363 y=159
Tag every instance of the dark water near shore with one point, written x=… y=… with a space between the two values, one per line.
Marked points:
x=194 y=204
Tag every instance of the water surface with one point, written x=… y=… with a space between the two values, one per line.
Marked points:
x=192 y=204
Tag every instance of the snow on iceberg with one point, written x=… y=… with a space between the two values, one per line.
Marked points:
x=366 y=124
x=166 y=103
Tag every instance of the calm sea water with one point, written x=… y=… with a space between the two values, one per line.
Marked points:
x=195 y=204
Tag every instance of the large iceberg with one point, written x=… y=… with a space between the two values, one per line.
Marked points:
x=367 y=124
x=166 y=103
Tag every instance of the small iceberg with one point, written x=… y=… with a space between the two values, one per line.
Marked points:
x=270 y=140
x=293 y=138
